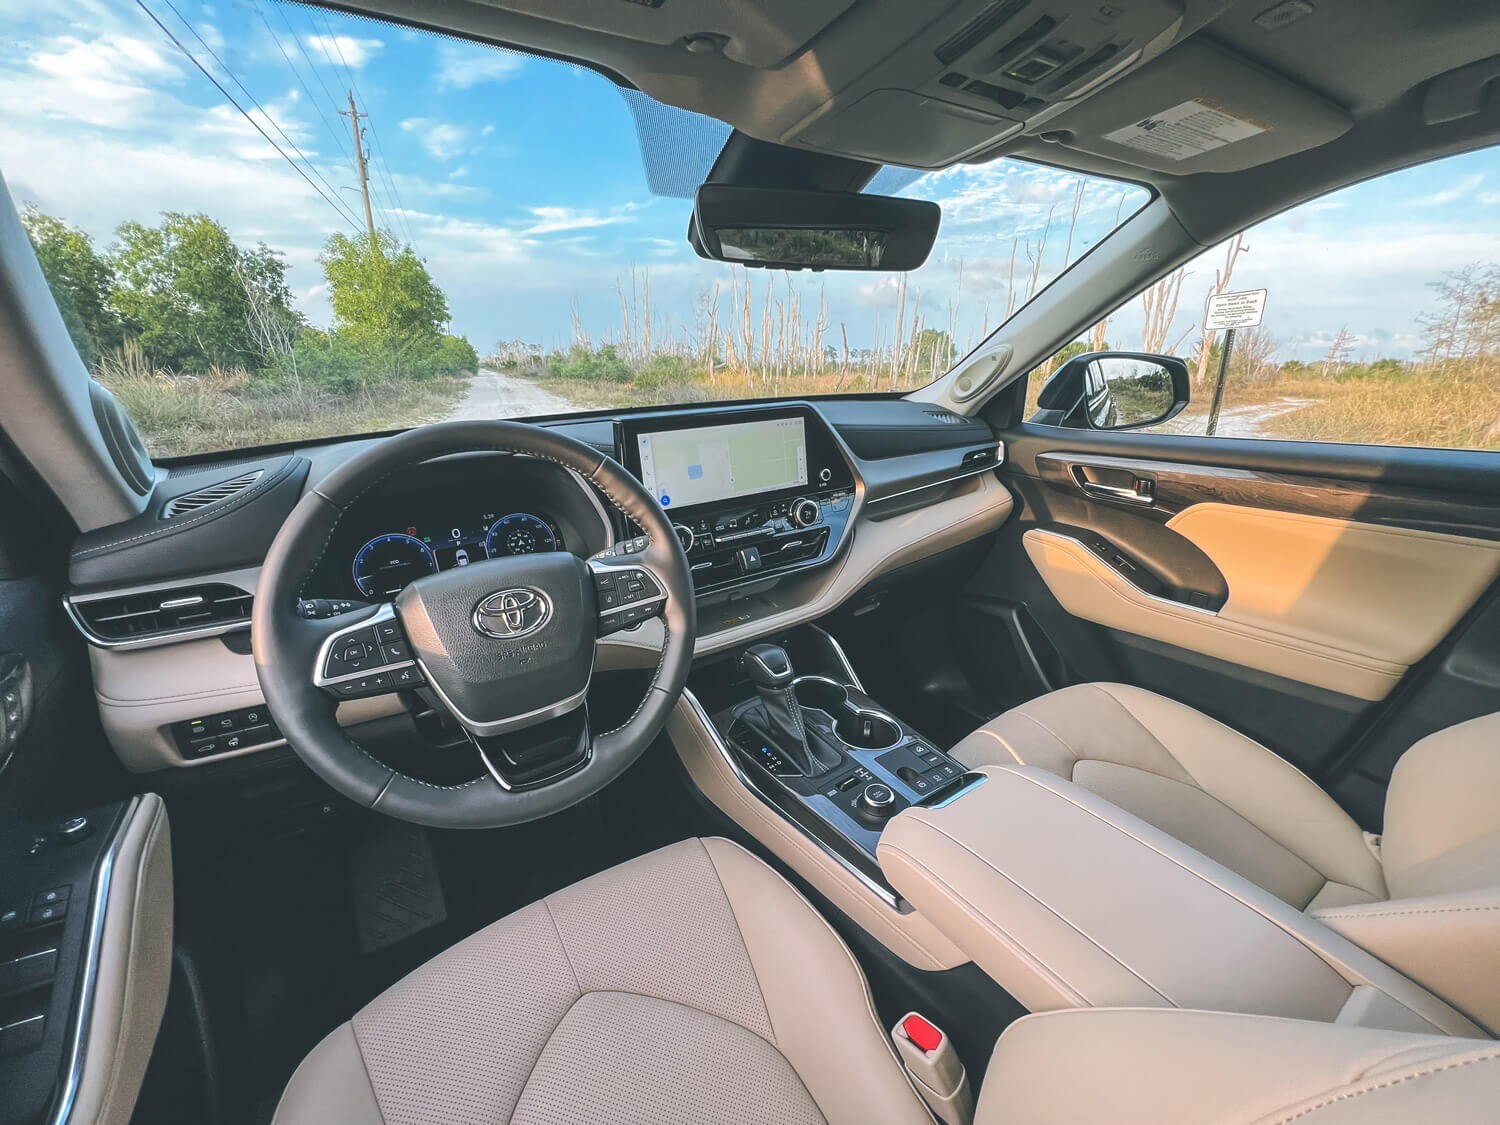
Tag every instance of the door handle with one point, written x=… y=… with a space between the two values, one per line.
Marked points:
x=1141 y=491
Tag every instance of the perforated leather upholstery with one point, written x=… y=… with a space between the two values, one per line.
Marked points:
x=692 y=984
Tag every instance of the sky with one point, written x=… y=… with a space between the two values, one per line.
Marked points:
x=521 y=183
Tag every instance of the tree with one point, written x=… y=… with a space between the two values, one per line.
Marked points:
x=1338 y=354
x=179 y=290
x=385 y=303
x=1160 y=304
x=1232 y=252
x=1466 y=324
x=80 y=281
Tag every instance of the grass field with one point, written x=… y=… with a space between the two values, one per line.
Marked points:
x=183 y=414
x=1438 y=409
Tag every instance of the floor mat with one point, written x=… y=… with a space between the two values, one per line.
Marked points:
x=395 y=885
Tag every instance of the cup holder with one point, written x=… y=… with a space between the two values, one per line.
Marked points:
x=856 y=726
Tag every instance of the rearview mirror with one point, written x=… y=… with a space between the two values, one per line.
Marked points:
x=1114 y=391
x=783 y=228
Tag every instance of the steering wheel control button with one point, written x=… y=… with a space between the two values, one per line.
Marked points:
x=410 y=676
x=395 y=652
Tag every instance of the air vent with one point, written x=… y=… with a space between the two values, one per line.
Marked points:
x=947 y=417
x=977 y=29
x=213 y=607
x=212 y=494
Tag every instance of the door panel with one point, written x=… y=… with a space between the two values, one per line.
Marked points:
x=1310 y=595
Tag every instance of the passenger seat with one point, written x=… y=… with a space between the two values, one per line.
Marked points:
x=1424 y=897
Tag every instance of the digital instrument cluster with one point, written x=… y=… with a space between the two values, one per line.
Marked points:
x=388 y=562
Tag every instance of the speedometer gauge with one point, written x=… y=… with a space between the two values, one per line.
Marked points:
x=387 y=563
x=519 y=534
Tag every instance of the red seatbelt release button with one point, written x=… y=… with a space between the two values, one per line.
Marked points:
x=922 y=1033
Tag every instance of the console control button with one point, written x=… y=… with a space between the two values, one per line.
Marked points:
x=877 y=799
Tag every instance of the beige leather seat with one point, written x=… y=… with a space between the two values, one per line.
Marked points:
x=1163 y=1066
x=694 y=986
x=1424 y=897
x=691 y=985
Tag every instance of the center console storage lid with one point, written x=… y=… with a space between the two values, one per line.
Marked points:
x=1067 y=901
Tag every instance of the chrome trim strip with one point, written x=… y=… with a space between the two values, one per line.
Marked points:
x=73 y=1075
x=600 y=564
x=969 y=787
x=510 y=722
x=890 y=899
x=991 y=467
x=383 y=612
x=245 y=579
x=838 y=650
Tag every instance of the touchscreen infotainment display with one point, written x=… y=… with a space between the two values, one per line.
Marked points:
x=710 y=463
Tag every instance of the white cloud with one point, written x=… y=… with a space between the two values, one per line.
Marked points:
x=1489 y=198
x=442 y=139
x=1452 y=193
x=460 y=67
x=460 y=171
x=486 y=131
x=344 y=49
x=553 y=219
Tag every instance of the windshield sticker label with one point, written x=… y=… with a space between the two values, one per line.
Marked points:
x=1185 y=131
x=1235 y=310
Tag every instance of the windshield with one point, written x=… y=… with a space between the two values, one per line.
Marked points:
x=265 y=222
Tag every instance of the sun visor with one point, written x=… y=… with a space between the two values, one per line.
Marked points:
x=761 y=34
x=1200 y=108
x=900 y=127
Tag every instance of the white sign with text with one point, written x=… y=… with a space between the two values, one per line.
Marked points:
x=1235 y=310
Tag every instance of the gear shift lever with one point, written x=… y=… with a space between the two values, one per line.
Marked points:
x=770 y=669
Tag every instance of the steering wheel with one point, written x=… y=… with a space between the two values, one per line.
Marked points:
x=506 y=646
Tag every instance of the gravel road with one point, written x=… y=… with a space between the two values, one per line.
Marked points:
x=493 y=395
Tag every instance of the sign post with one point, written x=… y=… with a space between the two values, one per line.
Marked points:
x=1226 y=312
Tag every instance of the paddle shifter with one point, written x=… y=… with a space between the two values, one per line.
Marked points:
x=770 y=669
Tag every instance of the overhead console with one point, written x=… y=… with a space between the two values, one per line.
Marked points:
x=752 y=493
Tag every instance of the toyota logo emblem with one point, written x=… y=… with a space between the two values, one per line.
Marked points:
x=509 y=614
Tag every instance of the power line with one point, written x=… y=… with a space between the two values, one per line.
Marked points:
x=230 y=98
x=311 y=97
x=229 y=71
x=318 y=76
x=374 y=133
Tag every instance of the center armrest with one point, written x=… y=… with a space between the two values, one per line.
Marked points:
x=1068 y=901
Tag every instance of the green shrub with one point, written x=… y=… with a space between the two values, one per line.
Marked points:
x=663 y=371
x=598 y=365
x=454 y=355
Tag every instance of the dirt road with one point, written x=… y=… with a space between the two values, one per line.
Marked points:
x=493 y=395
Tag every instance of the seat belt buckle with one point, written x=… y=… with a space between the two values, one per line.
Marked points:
x=934 y=1068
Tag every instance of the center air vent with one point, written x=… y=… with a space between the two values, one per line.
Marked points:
x=114 y=619
x=211 y=494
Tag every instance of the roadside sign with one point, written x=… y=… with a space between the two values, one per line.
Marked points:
x=1235 y=310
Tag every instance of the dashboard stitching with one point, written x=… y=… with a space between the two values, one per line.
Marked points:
x=214 y=512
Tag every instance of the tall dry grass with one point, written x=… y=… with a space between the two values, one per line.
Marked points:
x=228 y=408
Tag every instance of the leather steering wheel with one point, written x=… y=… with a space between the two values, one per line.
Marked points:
x=506 y=646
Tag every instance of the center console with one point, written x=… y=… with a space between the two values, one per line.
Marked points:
x=760 y=493
x=800 y=730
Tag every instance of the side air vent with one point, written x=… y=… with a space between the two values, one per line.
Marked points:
x=212 y=494
x=116 y=619
x=946 y=417
x=977 y=30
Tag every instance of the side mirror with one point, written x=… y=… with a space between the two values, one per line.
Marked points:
x=1114 y=391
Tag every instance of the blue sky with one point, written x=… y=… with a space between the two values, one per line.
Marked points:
x=521 y=182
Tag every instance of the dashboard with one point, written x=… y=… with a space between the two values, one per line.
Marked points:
x=452 y=513
x=385 y=564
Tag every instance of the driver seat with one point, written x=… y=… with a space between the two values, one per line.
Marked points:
x=691 y=984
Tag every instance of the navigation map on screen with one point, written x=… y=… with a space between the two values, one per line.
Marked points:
x=708 y=463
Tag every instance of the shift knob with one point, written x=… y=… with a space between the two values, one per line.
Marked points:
x=767 y=665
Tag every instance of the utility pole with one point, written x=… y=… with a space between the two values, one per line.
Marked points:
x=361 y=167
